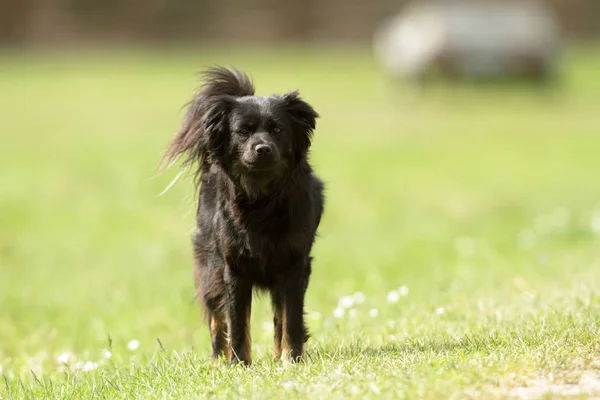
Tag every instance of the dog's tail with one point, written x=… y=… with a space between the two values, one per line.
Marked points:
x=190 y=140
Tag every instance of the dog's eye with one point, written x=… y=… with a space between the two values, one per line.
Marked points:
x=276 y=129
x=243 y=131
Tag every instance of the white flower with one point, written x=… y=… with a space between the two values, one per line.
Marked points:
x=373 y=312
x=286 y=385
x=393 y=296
x=63 y=358
x=440 y=310
x=352 y=313
x=90 y=366
x=315 y=315
x=359 y=297
x=346 y=302
x=403 y=291
x=107 y=354
x=339 y=313
x=133 y=345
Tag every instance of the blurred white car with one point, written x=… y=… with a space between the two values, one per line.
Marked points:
x=470 y=38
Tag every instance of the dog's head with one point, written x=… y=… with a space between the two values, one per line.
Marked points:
x=255 y=139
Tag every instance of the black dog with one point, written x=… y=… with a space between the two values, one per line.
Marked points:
x=258 y=211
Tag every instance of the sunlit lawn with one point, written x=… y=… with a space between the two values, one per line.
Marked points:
x=459 y=254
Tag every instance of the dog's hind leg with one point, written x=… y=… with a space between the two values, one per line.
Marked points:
x=211 y=294
x=218 y=334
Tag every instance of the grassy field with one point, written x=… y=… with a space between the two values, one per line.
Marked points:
x=459 y=256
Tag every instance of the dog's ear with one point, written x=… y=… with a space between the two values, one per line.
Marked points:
x=203 y=134
x=303 y=117
x=215 y=141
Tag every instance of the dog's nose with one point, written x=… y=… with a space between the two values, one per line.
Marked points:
x=262 y=149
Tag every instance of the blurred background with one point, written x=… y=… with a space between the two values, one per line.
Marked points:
x=458 y=190
x=83 y=22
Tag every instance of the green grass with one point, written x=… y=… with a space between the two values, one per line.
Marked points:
x=479 y=201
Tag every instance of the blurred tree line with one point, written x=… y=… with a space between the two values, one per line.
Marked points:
x=39 y=22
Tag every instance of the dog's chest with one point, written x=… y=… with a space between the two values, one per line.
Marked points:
x=263 y=248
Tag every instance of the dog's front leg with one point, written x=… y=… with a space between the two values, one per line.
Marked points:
x=239 y=302
x=278 y=321
x=294 y=329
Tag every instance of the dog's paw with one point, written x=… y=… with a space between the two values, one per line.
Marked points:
x=287 y=359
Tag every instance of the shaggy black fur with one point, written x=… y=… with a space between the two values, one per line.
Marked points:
x=258 y=211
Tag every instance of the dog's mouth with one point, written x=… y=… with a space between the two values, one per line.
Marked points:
x=260 y=165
